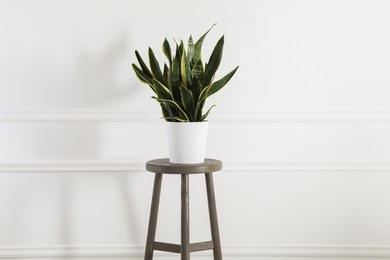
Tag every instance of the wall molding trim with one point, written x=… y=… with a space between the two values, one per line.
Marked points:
x=265 y=116
x=123 y=166
x=238 y=252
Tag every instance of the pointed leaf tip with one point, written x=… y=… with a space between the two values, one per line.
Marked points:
x=198 y=45
x=144 y=68
x=214 y=61
x=155 y=67
x=216 y=86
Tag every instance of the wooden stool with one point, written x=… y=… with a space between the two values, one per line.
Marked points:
x=162 y=166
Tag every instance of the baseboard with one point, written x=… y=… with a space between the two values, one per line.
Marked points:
x=236 y=252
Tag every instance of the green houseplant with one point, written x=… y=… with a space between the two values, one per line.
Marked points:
x=181 y=88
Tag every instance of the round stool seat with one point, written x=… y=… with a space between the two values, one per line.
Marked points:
x=164 y=166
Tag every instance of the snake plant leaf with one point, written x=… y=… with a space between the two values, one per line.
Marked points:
x=177 y=54
x=199 y=108
x=191 y=47
x=175 y=79
x=178 y=57
x=180 y=50
x=175 y=72
x=214 y=61
x=204 y=94
x=143 y=65
x=198 y=45
x=206 y=114
x=196 y=88
x=167 y=51
x=155 y=67
x=220 y=83
x=170 y=79
x=166 y=111
x=187 y=101
x=200 y=102
x=161 y=90
x=166 y=73
x=141 y=75
x=197 y=70
x=175 y=105
x=185 y=69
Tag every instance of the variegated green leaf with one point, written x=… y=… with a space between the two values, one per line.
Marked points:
x=167 y=51
x=175 y=72
x=199 y=108
x=144 y=68
x=180 y=49
x=214 y=61
x=198 y=46
x=175 y=105
x=207 y=113
x=220 y=83
x=187 y=101
x=166 y=73
x=161 y=90
x=196 y=88
x=204 y=94
x=197 y=70
x=185 y=69
x=166 y=110
x=176 y=78
x=200 y=103
x=191 y=47
x=155 y=67
x=141 y=75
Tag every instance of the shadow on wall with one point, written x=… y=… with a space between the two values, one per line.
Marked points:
x=100 y=85
x=104 y=79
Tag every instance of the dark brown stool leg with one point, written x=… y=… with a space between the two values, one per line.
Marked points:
x=213 y=216
x=153 y=217
x=185 y=218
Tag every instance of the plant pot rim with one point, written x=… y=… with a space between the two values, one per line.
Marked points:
x=187 y=122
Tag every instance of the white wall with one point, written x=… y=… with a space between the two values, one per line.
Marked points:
x=303 y=128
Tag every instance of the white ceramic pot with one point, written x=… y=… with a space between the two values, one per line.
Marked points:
x=187 y=141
